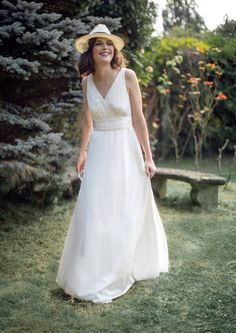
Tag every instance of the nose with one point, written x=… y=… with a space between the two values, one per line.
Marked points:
x=104 y=45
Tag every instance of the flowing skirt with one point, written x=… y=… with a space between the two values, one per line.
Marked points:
x=115 y=235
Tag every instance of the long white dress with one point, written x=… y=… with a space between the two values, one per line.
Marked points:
x=115 y=235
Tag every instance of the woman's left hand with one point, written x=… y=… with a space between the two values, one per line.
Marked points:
x=150 y=168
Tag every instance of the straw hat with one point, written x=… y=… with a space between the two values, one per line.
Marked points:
x=100 y=30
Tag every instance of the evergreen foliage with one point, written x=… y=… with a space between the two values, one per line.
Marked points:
x=39 y=92
x=224 y=124
x=183 y=14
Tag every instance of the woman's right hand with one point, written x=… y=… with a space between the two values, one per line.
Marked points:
x=81 y=162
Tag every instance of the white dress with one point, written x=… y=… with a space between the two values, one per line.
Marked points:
x=115 y=235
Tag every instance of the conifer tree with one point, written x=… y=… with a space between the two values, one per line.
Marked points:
x=39 y=92
x=182 y=14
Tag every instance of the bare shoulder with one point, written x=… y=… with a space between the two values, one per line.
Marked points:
x=131 y=81
x=130 y=75
x=84 y=83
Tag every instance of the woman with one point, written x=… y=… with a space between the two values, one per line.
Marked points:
x=116 y=235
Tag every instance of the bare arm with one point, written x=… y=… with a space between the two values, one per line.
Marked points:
x=139 y=121
x=87 y=127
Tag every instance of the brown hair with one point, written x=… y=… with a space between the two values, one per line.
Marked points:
x=86 y=63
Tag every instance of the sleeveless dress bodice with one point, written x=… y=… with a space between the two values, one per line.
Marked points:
x=113 y=111
x=115 y=235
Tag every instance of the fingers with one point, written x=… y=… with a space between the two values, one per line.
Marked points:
x=80 y=164
x=150 y=171
x=79 y=167
x=147 y=171
x=153 y=172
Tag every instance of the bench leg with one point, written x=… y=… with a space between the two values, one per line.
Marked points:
x=159 y=186
x=204 y=195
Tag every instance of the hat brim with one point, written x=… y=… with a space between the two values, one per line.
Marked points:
x=81 y=44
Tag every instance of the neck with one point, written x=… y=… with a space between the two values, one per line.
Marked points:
x=102 y=71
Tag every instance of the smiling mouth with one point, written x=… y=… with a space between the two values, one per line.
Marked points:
x=104 y=53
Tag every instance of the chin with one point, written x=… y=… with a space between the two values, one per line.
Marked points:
x=106 y=61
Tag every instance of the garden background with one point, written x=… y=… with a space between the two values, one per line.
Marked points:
x=187 y=77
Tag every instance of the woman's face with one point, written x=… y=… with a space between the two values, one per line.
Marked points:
x=103 y=51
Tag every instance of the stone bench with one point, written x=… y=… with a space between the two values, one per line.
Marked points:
x=204 y=186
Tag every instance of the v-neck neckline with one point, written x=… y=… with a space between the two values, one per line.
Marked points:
x=109 y=89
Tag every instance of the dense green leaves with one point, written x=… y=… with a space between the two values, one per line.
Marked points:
x=177 y=61
x=223 y=126
x=39 y=92
x=183 y=14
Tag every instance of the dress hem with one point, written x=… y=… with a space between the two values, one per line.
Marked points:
x=109 y=300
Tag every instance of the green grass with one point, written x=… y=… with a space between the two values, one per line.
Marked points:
x=195 y=296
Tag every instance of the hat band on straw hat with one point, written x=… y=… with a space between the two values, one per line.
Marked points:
x=99 y=31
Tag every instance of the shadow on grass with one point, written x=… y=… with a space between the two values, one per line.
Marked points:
x=58 y=294
x=181 y=204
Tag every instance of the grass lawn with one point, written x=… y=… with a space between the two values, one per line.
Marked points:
x=195 y=296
